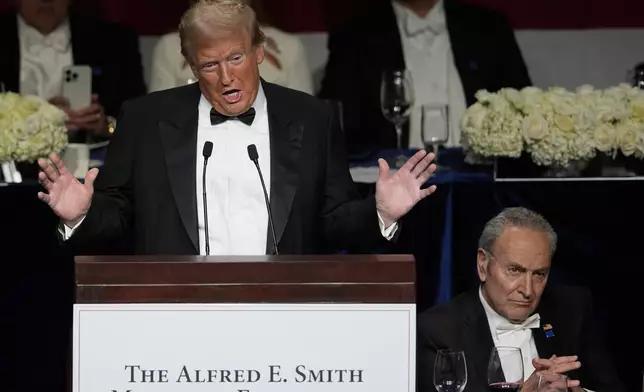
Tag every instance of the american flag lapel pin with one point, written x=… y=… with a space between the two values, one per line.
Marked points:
x=548 y=331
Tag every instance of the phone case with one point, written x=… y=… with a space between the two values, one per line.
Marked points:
x=77 y=86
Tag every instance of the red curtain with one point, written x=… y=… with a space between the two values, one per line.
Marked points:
x=152 y=17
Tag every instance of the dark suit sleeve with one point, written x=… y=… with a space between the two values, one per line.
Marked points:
x=597 y=372
x=426 y=351
x=341 y=83
x=349 y=223
x=512 y=70
x=110 y=214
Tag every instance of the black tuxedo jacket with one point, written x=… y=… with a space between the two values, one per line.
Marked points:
x=112 y=50
x=485 y=51
x=461 y=324
x=148 y=181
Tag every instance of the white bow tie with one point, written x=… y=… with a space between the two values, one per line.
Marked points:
x=415 y=25
x=533 y=321
x=57 y=40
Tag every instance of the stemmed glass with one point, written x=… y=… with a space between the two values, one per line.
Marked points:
x=505 y=369
x=636 y=76
x=450 y=371
x=396 y=102
x=434 y=123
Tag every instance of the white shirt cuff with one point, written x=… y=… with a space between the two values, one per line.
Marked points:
x=387 y=232
x=66 y=232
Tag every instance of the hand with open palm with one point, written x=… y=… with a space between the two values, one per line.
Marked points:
x=397 y=194
x=66 y=196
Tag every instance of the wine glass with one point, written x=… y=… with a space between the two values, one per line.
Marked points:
x=434 y=123
x=450 y=371
x=636 y=76
x=552 y=382
x=638 y=79
x=505 y=369
x=396 y=102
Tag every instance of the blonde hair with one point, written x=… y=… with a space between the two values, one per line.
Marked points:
x=212 y=19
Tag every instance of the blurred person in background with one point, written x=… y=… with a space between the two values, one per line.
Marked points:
x=451 y=49
x=285 y=60
x=39 y=38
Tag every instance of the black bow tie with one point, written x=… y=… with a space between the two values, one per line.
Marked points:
x=217 y=118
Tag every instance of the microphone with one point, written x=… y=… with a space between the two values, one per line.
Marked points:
x=207 y=152
x=254 y=156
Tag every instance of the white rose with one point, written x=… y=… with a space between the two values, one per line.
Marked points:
x=623 y=91
x=564 y=123
x=587 y=96
x=585 y=89
x=628 y=138
x=585 y=119
x=531 y=90
x=514 y=97
x=501 y=105
x=484 y=96
x=605 y=137
x=566 y=106
x=560 y=91
x=616 y=93
x=606 y=109
x=534 y=127
x=637 y=109
x=10 y=100
x=474 y=117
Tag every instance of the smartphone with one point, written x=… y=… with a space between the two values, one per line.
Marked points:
x=77 y=85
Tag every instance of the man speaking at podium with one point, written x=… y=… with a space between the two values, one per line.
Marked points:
x=191 y=168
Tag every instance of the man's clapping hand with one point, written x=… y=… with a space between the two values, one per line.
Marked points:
x=555 y=364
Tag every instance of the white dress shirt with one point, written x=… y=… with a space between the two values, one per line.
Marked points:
x=237 y=215
x=428 y=56
x=170 y=69
x=504 y=336
x=43 y=58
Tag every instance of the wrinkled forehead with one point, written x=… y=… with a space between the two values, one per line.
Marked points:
x=526 y=248
x=220 y=45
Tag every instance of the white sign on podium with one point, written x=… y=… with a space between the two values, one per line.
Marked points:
x=244 y=347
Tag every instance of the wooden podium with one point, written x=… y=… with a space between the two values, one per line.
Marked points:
x=270 y=279
x=364 y=283
x=332 y=279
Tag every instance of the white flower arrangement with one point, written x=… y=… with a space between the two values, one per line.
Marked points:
x=555 y=126
x=30 y=128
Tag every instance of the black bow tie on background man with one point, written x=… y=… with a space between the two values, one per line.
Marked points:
x=217 y=118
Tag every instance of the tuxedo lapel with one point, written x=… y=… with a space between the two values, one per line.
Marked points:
x=84 y=49
x=545 y=337
x=386 y=34
x=10 y=59
x=82 y=44
x=463 y=49
x=478 y=343
x=179 y=136
x=285 y=145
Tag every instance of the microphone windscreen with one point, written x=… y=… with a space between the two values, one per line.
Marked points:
x=207 y=149
x=252 y=152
